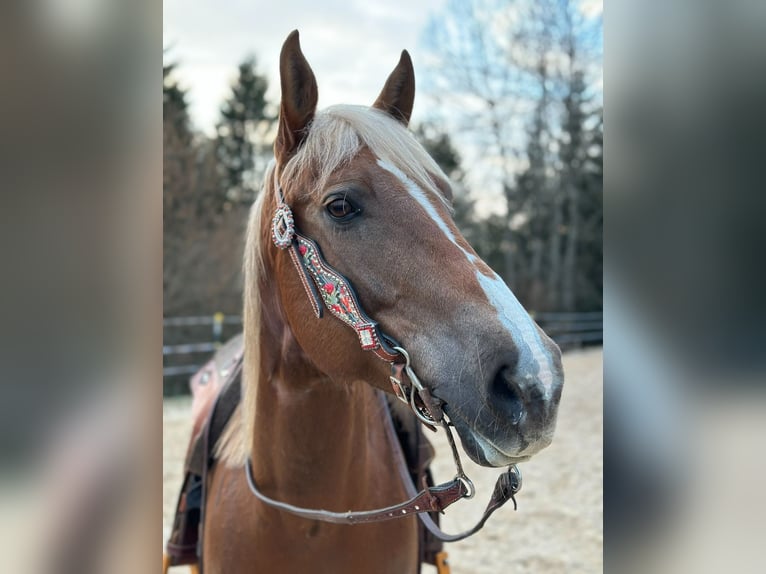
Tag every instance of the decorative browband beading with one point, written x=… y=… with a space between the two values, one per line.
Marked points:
x=334 y=289
x=337 y=294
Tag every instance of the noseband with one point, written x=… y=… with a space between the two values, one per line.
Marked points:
x=327 y=288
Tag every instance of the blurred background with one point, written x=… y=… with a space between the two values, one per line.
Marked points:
x=508 y=102
x=83 y=287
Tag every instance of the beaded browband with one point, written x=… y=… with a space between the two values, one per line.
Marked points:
x=320 y=280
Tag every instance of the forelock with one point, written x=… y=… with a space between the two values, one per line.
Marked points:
x=338 y=133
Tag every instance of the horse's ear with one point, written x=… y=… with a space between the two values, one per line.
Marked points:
x=299 y=99
x=398 y=94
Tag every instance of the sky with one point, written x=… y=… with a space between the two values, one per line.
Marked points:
x=352 y=45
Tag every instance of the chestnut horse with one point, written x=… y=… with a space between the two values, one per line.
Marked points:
x=369 y=195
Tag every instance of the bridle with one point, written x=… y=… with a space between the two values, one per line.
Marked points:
x=327 y=288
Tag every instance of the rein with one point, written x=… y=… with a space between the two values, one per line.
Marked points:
x=327 y=288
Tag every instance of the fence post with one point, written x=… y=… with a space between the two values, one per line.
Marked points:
x=217 y=328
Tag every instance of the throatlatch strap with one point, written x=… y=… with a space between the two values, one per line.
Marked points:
x=429 y=499
x=433 y=499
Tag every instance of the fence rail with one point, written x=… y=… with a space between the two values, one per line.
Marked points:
x=567 y=329
x=189 y=341
x=572 y=329
x=204 y=320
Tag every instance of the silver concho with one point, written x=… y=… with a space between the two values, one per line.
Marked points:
x=282 y=227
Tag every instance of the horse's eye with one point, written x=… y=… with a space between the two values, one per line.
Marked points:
x=341 y=208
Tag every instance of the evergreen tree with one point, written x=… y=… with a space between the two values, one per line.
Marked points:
x=201 y=244
x=175 y=109
x=534 y=218
x=513 y=76
x=572 y=153
x=439 y=146
x=244 y=123
x=591 y=212
x=177 y=173
x=178 y=152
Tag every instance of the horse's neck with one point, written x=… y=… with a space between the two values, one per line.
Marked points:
x=317 y=443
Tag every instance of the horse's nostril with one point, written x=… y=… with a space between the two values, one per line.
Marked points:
x=505 y=395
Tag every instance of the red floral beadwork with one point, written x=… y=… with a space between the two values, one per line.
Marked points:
x=336 y=294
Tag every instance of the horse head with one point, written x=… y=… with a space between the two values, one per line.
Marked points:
x=364 y=190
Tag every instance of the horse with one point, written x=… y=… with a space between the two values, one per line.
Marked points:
x=351 y=199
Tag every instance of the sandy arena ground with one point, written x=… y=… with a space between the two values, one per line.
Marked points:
x=558 y=527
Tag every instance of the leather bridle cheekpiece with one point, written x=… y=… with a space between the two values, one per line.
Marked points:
x=327 y=288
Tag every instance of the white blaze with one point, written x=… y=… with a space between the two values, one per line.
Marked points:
x=534 y=361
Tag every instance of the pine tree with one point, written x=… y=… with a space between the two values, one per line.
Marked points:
x=507 y=72
x=177 y=175
x=201 y=244
x=591 y=209
x=572 y=156
x=175 y=109
x=240 y=134
x=178 y=151
x=534 y=216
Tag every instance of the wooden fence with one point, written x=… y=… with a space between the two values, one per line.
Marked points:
x=572 y=329
x=189 y=341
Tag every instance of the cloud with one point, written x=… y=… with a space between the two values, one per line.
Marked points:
x=352 y=46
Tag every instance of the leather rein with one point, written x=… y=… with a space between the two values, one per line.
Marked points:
x=327 y=288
